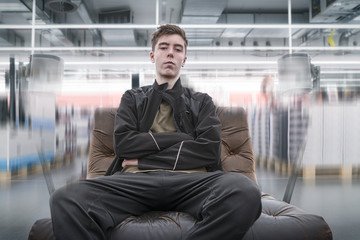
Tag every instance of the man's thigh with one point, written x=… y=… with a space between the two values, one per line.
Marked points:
x=143 y=188
x=190 y=192
x=118 y=196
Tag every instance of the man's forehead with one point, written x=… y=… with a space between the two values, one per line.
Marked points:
x=171 y=39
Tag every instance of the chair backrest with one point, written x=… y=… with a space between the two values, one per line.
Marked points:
x=236 y=154
x=236 y=151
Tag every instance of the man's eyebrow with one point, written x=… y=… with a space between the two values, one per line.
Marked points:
x=179 y=45
x=167 y=44
x=164 y=43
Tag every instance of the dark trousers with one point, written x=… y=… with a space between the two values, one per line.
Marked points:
x=225 y=204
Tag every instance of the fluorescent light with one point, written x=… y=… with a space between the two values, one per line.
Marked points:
x=336 y=62
x=15 y=26
x=209 y=48
x=204 y=48
x=185 y=26
x=316 y=62
x=107 y=63
x=237 y=48
x=270 y=71
x=319 y=48
x=187 y=63
x=342 y=71
x=325 y=26
x=232 y=62
x=79 y=26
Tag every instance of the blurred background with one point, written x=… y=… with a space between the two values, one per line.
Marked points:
x=293 y=65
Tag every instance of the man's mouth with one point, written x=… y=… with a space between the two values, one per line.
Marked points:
x=169 y=63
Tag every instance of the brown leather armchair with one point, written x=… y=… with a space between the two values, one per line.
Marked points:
x=278 y=220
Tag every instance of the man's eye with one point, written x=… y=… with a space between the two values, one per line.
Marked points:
x=179 y=50
x=163 y=48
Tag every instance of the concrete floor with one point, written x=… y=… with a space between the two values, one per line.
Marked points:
x=23 y=201
x=335 y=199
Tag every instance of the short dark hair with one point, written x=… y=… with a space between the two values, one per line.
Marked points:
x=167 y=29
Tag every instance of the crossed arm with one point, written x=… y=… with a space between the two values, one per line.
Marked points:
x=166 y=150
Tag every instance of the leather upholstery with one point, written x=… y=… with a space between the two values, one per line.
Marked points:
x=236 y=150
x=101 y=151
x=278 y=220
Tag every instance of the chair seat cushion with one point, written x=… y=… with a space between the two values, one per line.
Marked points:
x=278 y=220
x=154 y=225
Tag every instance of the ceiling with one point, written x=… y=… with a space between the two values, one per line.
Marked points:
x=265 y=43
x=169 y=11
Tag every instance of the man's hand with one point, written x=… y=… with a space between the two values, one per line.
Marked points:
x=129 y=162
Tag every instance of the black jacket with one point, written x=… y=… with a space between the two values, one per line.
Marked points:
x=196 y=143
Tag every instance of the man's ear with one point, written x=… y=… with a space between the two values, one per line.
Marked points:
x=183 y=63
x=152 y=57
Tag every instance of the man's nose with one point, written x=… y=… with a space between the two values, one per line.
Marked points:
x=170 y=53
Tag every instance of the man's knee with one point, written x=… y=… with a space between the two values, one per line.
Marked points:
x=63 y=196
x=243 y=190
x=57 y=198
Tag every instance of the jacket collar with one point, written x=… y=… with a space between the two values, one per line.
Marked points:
x=175 y=91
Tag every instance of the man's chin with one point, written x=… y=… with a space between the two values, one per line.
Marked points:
x=169 y=75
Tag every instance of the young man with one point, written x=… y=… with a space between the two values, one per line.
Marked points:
x=167 y=140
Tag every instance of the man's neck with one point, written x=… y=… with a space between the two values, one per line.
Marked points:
x=171 y=82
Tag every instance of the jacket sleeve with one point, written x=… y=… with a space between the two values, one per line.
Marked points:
x=204 y=151
x=129 y=143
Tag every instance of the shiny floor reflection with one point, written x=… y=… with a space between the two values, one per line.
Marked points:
x=23 y=201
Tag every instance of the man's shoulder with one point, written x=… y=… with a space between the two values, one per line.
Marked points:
x=198 y=96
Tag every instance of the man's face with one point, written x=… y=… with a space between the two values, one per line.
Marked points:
x=169 y=56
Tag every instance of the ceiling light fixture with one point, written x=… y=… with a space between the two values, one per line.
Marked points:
x=61 y=6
